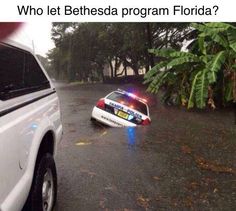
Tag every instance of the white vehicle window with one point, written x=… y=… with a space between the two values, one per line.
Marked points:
x=128 y=101
x=19 y=73
x=11 y=69
x=34 y=76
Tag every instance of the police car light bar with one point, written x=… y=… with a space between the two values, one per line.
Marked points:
x=132 y=95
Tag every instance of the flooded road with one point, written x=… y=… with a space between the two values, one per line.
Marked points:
x=181 y=161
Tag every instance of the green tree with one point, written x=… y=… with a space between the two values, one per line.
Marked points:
x=82 y=49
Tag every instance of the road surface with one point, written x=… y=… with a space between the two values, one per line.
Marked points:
x=157 y=167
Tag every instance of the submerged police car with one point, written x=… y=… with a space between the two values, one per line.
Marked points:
x=121 y=108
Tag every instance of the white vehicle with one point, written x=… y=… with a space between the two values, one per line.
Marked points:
x=30 y=128
x=121 y=108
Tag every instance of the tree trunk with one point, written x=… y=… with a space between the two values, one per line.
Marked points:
x=135 y=69
x=102 y=73
x=116 y=66
x=234 y=86
x=111 y=67
x=69 y=66
x=220 y=91
x=150 y=46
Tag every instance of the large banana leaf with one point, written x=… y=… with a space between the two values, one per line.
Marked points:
x=215 y=27
x=202 y=45
x=192 y=93
x=219 y=26
x=199 y=90
x=215 y=65
x=157 y=81
x=154 y=70
x=220 y=39
x=161 y=52
x=170 y=53
x=182 y=60
x=213 y=33
x=231 y=33
x=229 y=91
x=199 y=27
x=177 y=54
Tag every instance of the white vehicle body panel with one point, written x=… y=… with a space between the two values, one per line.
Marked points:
x=24 y=121
x=110 y=119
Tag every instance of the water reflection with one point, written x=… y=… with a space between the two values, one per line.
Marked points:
x=137 y=136
x=131 y=135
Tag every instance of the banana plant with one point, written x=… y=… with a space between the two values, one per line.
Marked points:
x=196 y=74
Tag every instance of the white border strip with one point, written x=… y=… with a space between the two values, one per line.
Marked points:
x=220 y=10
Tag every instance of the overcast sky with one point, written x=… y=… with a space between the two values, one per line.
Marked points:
x=37 y=33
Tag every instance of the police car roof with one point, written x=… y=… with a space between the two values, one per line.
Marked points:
x=130 y=95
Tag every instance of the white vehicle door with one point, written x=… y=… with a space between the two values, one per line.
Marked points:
x=20 y=76
x=12 y=63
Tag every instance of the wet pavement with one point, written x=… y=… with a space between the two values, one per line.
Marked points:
x=182 y=161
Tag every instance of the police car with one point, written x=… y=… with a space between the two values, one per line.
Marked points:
x=121 y=108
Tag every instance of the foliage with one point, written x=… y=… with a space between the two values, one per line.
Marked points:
x=83 y=49
x=203 y=75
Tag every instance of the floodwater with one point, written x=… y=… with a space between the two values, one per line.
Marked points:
x=181 y=161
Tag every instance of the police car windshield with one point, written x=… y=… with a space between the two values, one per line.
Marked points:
x=128 y=101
